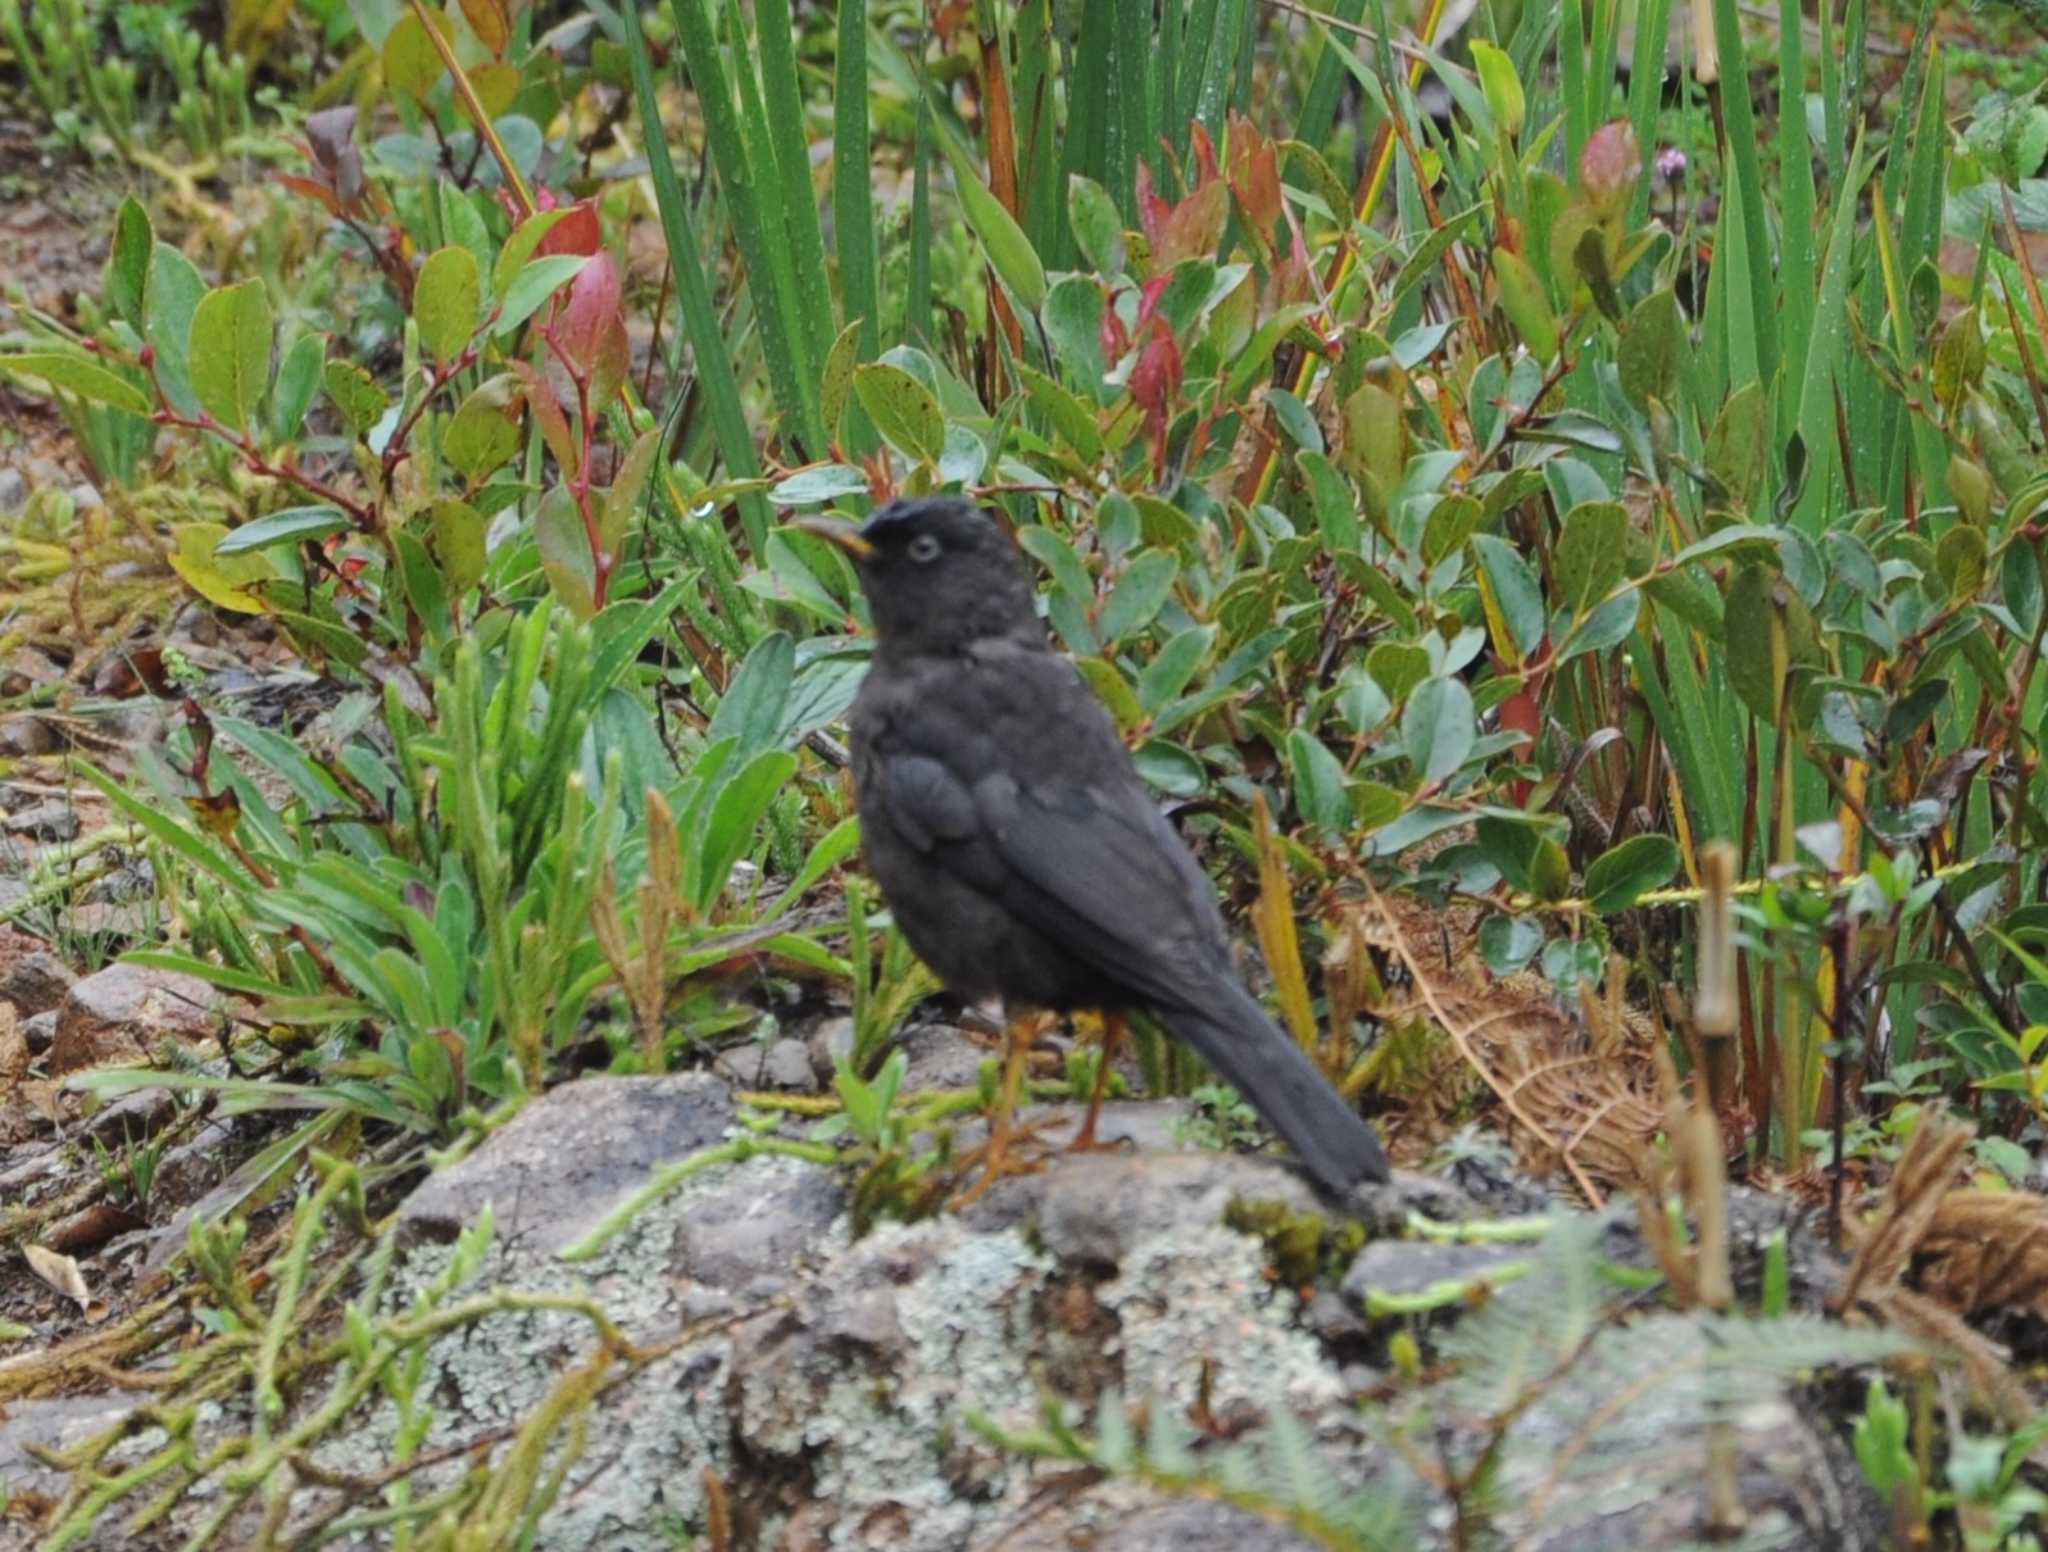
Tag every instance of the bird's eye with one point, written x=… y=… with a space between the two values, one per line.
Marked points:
x=925 y=547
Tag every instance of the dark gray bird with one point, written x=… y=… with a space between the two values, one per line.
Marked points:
x=1015 y=843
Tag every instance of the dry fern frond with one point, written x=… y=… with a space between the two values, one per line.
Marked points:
x=1886 y=1244
x=1986 y=1250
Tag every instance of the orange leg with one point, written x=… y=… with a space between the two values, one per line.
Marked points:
x=1112 y=1037
x=1019 y=1033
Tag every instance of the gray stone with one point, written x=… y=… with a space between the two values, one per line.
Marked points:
x=52 y=820
x=121 y=1013
x=53 y=1423
x=36 y=983
x=1201 y=1527
x=569 y=1157
x=13 y=491
x=1397 y=1268
x=830 y=1044
x=86 y=497
x=786 y=1064
x=736 y=1235
x=941 y=1056
x=40 y=1031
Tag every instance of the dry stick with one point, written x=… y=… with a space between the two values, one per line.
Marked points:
x=1461 y=1039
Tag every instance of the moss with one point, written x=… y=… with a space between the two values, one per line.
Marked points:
x=1303 y=1245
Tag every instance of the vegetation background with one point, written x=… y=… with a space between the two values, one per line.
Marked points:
x=1554 y=497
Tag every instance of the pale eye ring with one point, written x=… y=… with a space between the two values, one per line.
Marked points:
x=925 y=547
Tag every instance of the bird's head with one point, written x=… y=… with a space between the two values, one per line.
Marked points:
x=940 y=574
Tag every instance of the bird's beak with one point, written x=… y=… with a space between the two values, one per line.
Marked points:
x=837 y=531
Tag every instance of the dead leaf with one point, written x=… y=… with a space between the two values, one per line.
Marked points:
x=62 y=1274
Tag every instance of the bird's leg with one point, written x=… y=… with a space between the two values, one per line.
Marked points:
x=1020 y=1030
x=1112 y=1037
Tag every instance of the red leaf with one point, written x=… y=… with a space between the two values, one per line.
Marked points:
x=592 y=309
x=577 y=232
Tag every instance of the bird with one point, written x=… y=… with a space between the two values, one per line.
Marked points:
x=1018 y=849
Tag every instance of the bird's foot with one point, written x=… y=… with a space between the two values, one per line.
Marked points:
x=1013 y=1152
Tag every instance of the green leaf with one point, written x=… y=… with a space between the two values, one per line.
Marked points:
x=1735 y=452
x=1140 y=592
x=1113 y=690
x=128 y=263
x=1318 y=783
x=903 y=410
x=1438 y=728
x=1591 y=554
x=355 y=395
x=1168 y=673
x=1008 y=249
x=1097 y=225
x=1650 y=348
x=532 y=286
x=1058 y=557
x=292 y=526
x=1451 y=522
x=298 y=379
x=1397 y=668
x=1069 y=416
x=483 y=435
x=231 y=366
x=1503 y=88
x=445 y=300
x=564 y=545
x=1375 y=805
x=735 y=816
x=519 y=247
x=1509 y=942
x=751 y=709
x=1605 y=627
x=170 y=297
x=1514 y=589
x=821 y=482
x=457 y=537
x=1623 y=874
x=1170 y=769
x=1527 y=304
x=75 y=374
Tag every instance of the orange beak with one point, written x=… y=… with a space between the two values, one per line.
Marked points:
x=837 y=531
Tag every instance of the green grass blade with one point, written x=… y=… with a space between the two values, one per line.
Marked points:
x=853 y=205
x=1319 y=103
x=1796 y=210
x=1740 y=118
x=783 y=98
x=780 y=349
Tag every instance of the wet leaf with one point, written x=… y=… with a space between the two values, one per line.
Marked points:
x=230 y=366
x=903 y=410
x=1624 y=874
x=445 y=300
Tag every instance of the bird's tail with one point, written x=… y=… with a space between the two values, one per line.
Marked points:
x=1251 y=1053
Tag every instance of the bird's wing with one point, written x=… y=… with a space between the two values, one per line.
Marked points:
x=1101 y=873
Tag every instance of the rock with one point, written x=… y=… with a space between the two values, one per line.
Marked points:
x=733 y=1237
x=54 y=1423
x=52 y=820
x=193 y=1168
x=1393 y=1268
x=35 y=981
x=23 y=735
x=786 y=1064
x=121 y=1013
x=830 y=1044
x=1585 y=1474
x=569 y=1157
x=1201 y=1527
x=85 y=496
x=13 y=491
x=941 y=1056
x=40 y=1030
